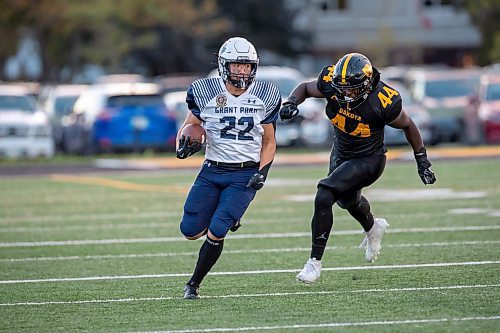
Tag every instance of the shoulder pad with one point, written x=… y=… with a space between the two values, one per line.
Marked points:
x=326 y=74
x=325 y=78
x=386 y=102
x=384 y=96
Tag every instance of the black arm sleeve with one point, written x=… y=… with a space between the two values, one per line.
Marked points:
x=265 y=169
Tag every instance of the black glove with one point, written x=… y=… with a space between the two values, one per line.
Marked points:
x=187 y=147
x=288 y=111
x=424 y=167
x=257 y=181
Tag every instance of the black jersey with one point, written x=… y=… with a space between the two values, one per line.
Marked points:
x=359 y=132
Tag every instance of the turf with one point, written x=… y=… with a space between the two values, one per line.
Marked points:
x=111 y=246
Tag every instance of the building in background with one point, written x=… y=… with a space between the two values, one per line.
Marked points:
x=390 y=31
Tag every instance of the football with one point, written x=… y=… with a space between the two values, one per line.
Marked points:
x=195 y=132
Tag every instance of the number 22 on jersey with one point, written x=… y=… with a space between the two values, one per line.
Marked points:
x=231 y=125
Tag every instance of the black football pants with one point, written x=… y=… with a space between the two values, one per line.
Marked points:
x=343 y=185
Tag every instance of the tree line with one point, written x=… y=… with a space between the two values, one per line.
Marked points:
x=151 y=37
x=159 y=37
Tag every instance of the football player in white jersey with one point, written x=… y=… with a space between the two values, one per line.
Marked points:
x=239 y=116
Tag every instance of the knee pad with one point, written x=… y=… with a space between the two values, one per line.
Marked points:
x=218 y=230
x=361 y=205
x=347 y=203
x=324 y=197
x=188 y=229
x=350 y=201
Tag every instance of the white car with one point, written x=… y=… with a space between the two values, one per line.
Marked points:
x=59 y=103
x=176 y=104
x=24 y=130
x=311 y=127
x=416 y=111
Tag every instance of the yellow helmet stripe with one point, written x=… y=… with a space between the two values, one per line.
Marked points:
x=344 y=67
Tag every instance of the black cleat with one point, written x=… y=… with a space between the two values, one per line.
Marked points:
x=191 y=292
x=236 y=226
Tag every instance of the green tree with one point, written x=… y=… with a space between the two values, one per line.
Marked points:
x=152 y=37
x=12 y=13
x=485 y=14
x=189 y=44
x=268 y=24
x=72 y=34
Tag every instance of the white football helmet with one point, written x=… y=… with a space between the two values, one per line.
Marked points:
x=237 y=50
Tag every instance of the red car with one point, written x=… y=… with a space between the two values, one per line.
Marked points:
x=483 y=113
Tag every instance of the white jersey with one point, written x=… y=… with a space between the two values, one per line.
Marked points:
x=233 y=123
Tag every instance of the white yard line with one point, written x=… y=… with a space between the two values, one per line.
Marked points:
x=297 y=293
x=330 y=325
x=133 y=215
x=236 y=236
x=117 y=226
x=89 y=217
x=121 y=226
x=173 y=221
x=270 y=271
x=226 y=252
x=6 y=222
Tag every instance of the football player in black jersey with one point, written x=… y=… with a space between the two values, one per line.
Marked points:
x=359 y=105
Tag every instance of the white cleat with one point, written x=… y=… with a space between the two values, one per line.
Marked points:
x=311 y=271
x=373 y=238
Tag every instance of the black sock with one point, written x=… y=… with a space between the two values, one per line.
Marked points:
x=361 y=212
x=210 y=252
x=322 y=221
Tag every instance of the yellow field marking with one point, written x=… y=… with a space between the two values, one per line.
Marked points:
x=485 y=151
x=118 y=184
x=282 y=158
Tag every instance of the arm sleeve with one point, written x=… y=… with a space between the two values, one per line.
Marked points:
x=191 y=102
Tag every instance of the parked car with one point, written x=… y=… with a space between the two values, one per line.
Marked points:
x=416 y=111
x=119 y=117
x=176 y=104
x=174 y=83
x=395 y=73
x=444 y=93
x=24 y=130
x=311 y=127
x=121 y=78
x=59 y=103
x=483 y=113
x=32 y=88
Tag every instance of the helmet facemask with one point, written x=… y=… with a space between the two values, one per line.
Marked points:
x=352 y=93
x=241 y=81
x=352 y=80
x=237 y=50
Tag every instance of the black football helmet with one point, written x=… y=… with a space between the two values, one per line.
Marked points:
x=352 y=79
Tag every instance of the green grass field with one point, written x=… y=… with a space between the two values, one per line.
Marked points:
x=103 y=253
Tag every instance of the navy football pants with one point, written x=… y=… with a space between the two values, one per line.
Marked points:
x=218 y=198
